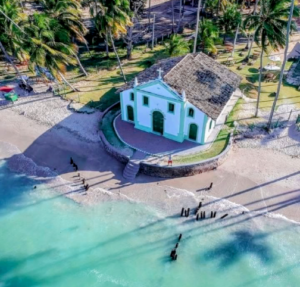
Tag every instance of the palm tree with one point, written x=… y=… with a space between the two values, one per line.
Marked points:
x=251 y=39
x=222 y=5
x=68 y=14
x=177 y=46
x=230 y=20
x=49 y=46
x=291 y=25
x=270 y=30
x=10 y=33
x=112 y=20
x=208 y=33
x=197 y=26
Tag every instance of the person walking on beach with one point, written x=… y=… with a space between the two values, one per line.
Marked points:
x=170 y=160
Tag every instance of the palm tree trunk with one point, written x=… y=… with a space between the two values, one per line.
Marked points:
x=149 y=14
x=235 y=39
x=153 y=32
x=173 y=16
x=80 y=65
x=259 y=82
x=218 y=8
x=12 y=63
x=129 y=43
x=106 y=45
x=252 y=39
x=180 y=16
x=197 y=26
x=283 y=64
x=118 y=58
x=66 y=81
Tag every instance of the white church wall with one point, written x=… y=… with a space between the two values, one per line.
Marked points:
x=209 y=128
x=125 y=101
x=159 y=89
x=155 y=103
x=197 y=119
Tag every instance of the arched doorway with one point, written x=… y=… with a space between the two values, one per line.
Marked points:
x=130 y=114
x=193 y=132
x=158 y=122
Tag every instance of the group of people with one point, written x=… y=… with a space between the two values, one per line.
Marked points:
x=86 y=186
x=74 y=164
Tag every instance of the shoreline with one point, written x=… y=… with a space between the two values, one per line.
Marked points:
x=20 y=164
x=257 y=179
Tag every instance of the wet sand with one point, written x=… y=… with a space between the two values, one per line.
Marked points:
x=261 y=180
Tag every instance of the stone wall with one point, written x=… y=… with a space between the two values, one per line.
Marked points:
x=186 y=170
x=167 y=171
x=116 y=153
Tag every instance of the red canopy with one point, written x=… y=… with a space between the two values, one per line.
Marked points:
x=6 y=89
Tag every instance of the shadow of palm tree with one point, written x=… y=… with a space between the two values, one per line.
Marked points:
x=242 y=244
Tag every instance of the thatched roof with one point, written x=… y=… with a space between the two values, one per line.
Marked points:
x=208 y=85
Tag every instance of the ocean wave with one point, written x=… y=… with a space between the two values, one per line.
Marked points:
x=175 y=197
x=19 y=163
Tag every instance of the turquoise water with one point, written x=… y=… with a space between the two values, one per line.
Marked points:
x=48 y=240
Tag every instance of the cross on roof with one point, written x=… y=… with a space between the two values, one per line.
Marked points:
x=160 y=71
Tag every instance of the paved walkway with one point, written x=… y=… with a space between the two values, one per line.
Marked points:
x=157 y=145
x=149 y=143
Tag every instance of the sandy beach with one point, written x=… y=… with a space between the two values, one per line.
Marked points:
x=38 y=139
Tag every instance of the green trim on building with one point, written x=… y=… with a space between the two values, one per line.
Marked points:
x=143 y=128
x=169 y=105
x=146 y=99
x=193 y=116
x=182 y=121
x=152 y=131
x=162 y=84
x=122 y=107
x=172 y=137
x=158 y=96
x=135 y=107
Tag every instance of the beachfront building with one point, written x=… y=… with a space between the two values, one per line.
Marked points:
x=179 y=98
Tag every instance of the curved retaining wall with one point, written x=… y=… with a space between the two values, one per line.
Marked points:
x=167 y=171
x=107 y=146
x=188 y=169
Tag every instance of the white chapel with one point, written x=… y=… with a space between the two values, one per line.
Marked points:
x=179 y=98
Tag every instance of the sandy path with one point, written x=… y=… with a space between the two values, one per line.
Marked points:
x=259 y=179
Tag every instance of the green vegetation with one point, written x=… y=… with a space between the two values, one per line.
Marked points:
x=108 y=130
x=250 y=80
x=46 y=39
x=99 y=88
x=217 y=147
x=177 y=46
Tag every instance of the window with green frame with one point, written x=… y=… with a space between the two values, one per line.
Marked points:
x=191 y=112
x=146 y=101
x=132 y=96
x=171 y=108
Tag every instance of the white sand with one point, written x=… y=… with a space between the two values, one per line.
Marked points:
x=48 y=134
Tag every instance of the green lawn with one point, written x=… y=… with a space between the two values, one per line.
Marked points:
x=217 y=147
x=250 y=74
x=99 y=88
